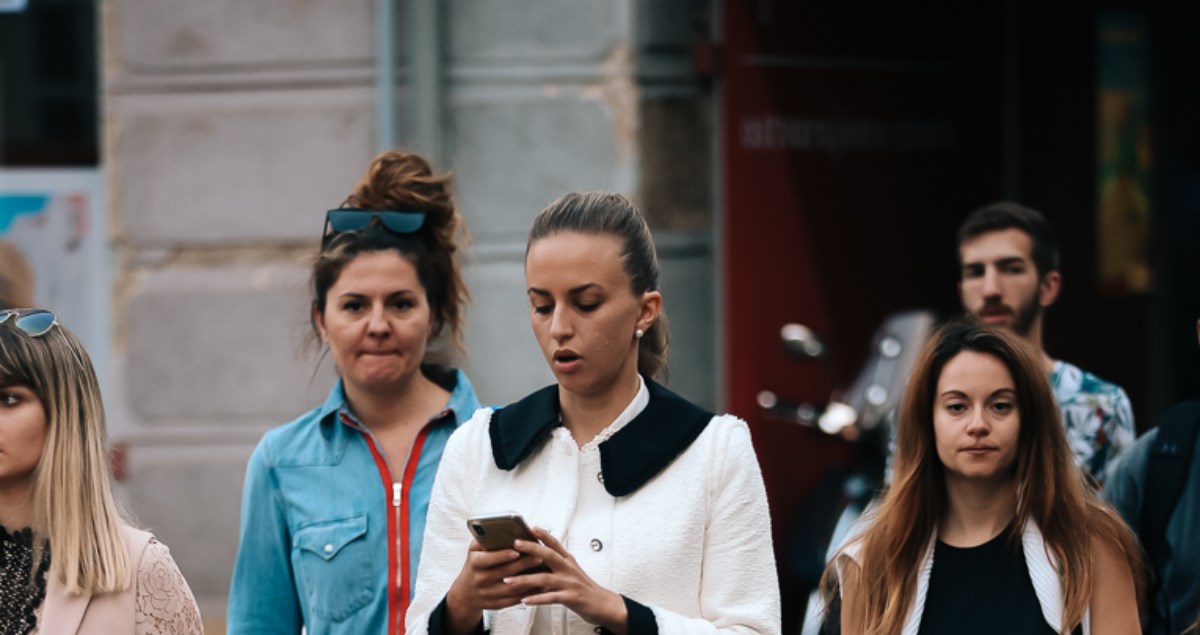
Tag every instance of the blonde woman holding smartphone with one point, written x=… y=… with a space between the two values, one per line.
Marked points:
x=649 y=514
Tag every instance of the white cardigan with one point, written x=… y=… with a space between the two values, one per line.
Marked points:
x=1043 y=572
x=684 y=529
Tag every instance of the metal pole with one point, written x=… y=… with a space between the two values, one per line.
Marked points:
x=426 y=103
x=385 y=74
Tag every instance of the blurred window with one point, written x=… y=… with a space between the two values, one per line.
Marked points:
x=49 y=60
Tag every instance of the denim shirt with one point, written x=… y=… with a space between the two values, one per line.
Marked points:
x=317 y=511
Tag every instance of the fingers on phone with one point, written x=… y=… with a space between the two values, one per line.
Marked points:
x=492 y=559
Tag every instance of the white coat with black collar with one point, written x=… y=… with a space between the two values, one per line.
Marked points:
x=666 y=507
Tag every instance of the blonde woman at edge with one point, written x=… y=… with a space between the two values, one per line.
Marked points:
x=69 y=563
x=989 y=526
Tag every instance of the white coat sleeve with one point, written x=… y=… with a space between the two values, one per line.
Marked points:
x=446 y=536
x=739 y=590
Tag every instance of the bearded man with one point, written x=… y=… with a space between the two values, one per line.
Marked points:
x=1010 y=275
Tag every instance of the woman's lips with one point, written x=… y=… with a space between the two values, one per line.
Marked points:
x=567 y=361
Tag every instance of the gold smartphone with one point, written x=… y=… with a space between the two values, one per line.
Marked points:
x=498 y=531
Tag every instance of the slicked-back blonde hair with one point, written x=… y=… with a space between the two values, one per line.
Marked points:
x=608 y=213
x=73 y=506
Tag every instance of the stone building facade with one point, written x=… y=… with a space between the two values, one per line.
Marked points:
x=229 y=127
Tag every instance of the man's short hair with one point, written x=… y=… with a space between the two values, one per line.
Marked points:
x=1009 y=215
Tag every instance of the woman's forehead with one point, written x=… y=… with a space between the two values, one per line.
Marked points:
x=574 y=259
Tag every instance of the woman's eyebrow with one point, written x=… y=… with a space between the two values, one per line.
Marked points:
x=572 y=291
x=583 y=287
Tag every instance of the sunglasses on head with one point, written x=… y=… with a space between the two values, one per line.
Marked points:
x=347 y=219
x=32 y=322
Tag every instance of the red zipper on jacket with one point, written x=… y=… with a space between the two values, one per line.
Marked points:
x=398 y=591
x=410 y=472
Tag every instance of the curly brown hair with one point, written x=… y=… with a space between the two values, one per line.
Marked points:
x=397 y=180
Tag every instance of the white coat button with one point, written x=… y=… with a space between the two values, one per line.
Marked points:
x=596 y=544
x=328 y=548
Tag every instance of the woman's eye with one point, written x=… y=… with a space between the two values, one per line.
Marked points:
x=956 y=407
x=404 y=304
x=10 y=398
x=543 y=309
x=1003 y=407
x=352 y=306
x=587 y=307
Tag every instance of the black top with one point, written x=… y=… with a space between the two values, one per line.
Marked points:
x=981 y=590
x=22 y=587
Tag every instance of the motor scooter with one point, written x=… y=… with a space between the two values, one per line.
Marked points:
x=862 y=414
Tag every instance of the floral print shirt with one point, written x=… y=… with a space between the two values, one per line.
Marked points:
x=1097 y=416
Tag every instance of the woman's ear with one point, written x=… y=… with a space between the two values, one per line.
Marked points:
x=319 y=320
x=649 y=310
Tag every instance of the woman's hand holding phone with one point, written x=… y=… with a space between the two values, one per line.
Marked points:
x=509 y=563
x=566 y=583
x=490 y=560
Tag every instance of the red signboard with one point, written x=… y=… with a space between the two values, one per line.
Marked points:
x=853 y=140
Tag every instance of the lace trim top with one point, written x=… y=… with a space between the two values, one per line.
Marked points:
x=164 y=604
x=22 y=588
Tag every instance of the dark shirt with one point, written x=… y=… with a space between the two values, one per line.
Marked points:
x=980 y=590
x=19 y=598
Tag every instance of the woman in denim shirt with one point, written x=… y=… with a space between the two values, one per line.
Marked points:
x=334 y=505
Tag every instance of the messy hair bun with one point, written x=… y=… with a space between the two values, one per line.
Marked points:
x=405 y=180
x=397 y=180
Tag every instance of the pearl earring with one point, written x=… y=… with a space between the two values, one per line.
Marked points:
x=639 y=333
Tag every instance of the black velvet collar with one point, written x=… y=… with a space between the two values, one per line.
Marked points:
x=630 y=458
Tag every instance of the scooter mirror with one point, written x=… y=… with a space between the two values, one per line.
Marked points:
x=799 y=341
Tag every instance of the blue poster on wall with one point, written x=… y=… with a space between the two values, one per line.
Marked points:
x=54 y=251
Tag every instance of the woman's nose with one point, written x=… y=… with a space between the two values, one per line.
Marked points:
x=377 y=322
x=560 y=325
x=978 y=425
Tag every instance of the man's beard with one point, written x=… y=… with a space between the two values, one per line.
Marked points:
x=1026 y=315
x=1023 y=316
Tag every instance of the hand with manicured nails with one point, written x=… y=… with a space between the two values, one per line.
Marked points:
x=480 y=585
x=566 y=584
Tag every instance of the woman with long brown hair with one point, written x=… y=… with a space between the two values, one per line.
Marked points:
x=988 y=527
